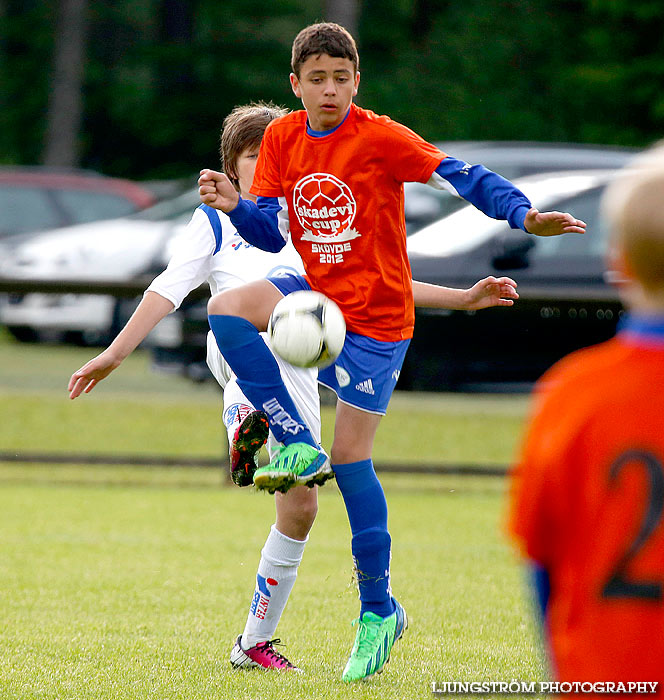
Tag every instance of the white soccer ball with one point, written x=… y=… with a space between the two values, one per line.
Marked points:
x=307 y=329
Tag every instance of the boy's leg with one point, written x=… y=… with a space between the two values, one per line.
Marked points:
x=236 y=316
x=364 y=377
x=363 y=495
x=382 y=619
x=246 y=438
x=277 y=571
x=282 y=553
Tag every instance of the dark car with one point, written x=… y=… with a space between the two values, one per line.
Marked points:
x=565 y=300
x=512 y=160
x=38 y=199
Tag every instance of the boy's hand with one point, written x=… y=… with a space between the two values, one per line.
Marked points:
x=491 y=291
x=92 y=372
x=552 y=223
x=217 y=191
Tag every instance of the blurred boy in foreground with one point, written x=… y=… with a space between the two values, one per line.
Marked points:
x=587 y=499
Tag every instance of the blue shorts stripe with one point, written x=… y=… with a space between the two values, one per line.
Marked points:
x=289 y=283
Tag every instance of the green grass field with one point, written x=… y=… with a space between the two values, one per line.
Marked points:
x=136 y=411
x=132 y=582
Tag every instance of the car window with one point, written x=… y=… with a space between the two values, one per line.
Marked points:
x=594 y=242
x=424 y=204
x=469 y=227
x=83 y=206
x=178 y=209
x=24 y=209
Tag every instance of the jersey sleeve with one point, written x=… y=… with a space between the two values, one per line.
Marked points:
x=411 y=158
x=262 y=223
x=189 y=265
x=489 y=192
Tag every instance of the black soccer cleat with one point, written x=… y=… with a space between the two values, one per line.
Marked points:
x=249 y=438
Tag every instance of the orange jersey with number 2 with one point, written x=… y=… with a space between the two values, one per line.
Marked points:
x=588 y=505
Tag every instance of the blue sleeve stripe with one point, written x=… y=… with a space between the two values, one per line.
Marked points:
x=486 y=190
x=216 y=225
x=258 y=223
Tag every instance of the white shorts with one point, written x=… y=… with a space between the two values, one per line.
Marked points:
x=302 y=385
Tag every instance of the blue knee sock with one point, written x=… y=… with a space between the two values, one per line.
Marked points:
x=258 y=376
x=367 y=513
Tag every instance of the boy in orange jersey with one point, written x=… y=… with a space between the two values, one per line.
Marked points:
x=331 y=176
x=211 y=248
x=587 y=501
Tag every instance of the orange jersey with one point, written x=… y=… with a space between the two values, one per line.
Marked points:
x=587 y=504
x=344 y=195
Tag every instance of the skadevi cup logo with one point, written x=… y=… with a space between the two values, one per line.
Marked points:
x=325 y=208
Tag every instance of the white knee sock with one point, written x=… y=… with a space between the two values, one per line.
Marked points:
x=276 y=576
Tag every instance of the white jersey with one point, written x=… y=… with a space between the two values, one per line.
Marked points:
x=210 y=249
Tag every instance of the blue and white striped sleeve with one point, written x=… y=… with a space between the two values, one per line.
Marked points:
x=484 y=189
x=264 y=224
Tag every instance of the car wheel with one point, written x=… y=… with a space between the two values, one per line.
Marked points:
x=24 y=334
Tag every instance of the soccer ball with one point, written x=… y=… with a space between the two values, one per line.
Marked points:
x=307 y=329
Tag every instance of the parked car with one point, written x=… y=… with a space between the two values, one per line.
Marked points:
x=512 y=160
x=565 y=300
x=141 y=246
x=116 y=250
x=38 y=198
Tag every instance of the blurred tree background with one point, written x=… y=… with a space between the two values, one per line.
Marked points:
x=138 y=88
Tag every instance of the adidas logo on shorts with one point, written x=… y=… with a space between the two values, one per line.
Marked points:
x=366 y=387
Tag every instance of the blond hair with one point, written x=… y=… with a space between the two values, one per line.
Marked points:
x=633 y=206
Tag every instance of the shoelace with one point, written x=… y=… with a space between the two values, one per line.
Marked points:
x=364 y=638
x=268 y=648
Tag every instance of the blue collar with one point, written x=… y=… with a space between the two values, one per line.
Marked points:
x=319 y=134
x=642 y=327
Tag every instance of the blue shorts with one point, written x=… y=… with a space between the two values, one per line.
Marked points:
x=366 y=372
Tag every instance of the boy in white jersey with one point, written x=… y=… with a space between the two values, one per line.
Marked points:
x=211 y=250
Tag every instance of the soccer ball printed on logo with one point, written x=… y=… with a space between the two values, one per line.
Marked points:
x=325 y=208
x=307 y=329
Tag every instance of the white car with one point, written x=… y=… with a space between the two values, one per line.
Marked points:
x=116 y=250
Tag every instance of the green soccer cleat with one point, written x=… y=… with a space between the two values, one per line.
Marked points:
x=373 y=643
x=297 y=463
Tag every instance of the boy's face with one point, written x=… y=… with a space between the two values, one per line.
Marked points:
x=326 y=87
x=245 y=166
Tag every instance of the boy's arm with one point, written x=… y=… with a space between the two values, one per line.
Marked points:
x=188 y=267
x=500 y=199
x=490 y=291
x=149 y=312
x=258 y=225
